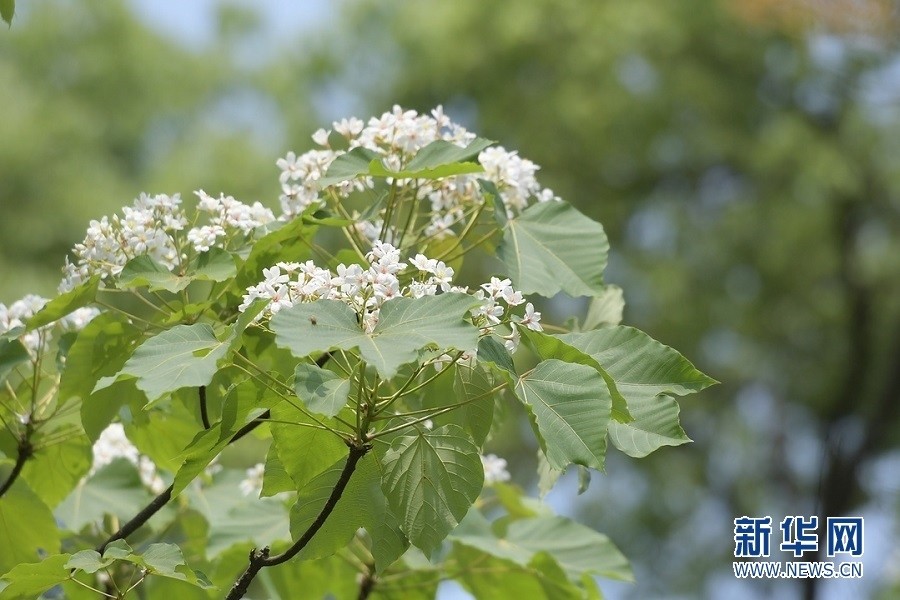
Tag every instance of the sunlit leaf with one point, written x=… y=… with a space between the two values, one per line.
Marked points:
x=551 y=248
x=431 y=479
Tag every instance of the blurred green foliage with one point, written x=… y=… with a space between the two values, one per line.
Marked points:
x=95 y=107
x=749 y=180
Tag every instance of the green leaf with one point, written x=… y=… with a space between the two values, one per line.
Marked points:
x=275 y=477
x=474 y=386
x=431 y=479
x=103 y=406
x=7 y=11
x=550 y=346
x=116 y=489
x=215 y=265
x=322 y=391
x=492 y=195
x=290 y=242
x=55 y=468
x=12 y=354
x=647 y=373
x=348 y=166
x=88 y=561
x=389 y=542
x=488 y=576
x=238 y=519
x=605 y=309
x=360 y=505
x=377 y=169
x=441 y=152
x=65 y=304
x=27 y=528
x=405 y=326
x=28 y=580
x=304 y=452
x=99 y=350
x=576 y=548
x=437 y=160
x=492 y=351
x=570 y=406
x=143 y=271
x=166 y=560
x=185 y=355
x=551 y=247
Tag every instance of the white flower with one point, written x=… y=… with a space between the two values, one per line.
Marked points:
x=321 y=137
x=76 y=320
x=423 y=263
x=253 y=483
x=532 y=318
x=348 y=127
x=113 y=444
x=494 y=469
x=203 y=238
x=512 y=340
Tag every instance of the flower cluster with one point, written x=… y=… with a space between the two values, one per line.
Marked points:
x=396 y=136
x=388 y=277
x=17 y=314
x=113 y=444
x=156 y=226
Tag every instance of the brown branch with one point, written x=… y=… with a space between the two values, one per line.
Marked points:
x=367 y=583
x=24 y=452
x=162 y=499
x=204 y=415
x=260 y=559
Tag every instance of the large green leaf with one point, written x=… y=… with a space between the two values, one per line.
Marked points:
x=303 y=451
x=322 y=391
x=361 y=505
x=65 y=304
x=489 y=576
x=551 y=346
x=116 y=489
x=647 y=373
x=570 y=408
x=605 y=309
x=579 y=550
x=28 y=580
x=431 y=479
x=143 y=271
x=551 y=247
x=185 y=355
x=405 y=326
x=100 y=350
x=441 y=152
x=348 y=165
x=242 y=401
x=55 y=468
x=388 y=540
x=473 y=386
x=27 y=528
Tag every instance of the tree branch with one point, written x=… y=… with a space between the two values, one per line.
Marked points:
x=204 y=415
x=24 y=453
x=367 y=583
x=162 y=499
x=260 y=559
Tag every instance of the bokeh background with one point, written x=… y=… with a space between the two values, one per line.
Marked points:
x=743 y=155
